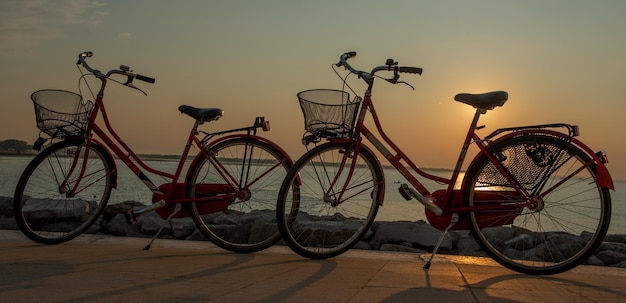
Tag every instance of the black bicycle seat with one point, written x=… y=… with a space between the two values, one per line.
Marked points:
x=201 y=114
x=483 y=101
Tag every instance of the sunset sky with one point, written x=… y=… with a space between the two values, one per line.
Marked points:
x=560 y=61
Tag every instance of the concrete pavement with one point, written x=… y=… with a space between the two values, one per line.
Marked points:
x=98 y=268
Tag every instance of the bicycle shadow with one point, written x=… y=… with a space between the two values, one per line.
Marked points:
x=517 y=288
x=466 y=294
x=239 y=266
x=576 y=288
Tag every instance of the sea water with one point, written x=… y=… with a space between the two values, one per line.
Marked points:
x=395 y=208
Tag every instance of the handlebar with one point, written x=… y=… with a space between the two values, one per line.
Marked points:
x=390 y=65
x=123 y=70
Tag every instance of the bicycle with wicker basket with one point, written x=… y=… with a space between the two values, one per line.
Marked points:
x=535 y=198
x=229 y=187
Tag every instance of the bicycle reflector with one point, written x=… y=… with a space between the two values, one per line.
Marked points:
x=575 y=131
x=261 y=122
x=603 y=157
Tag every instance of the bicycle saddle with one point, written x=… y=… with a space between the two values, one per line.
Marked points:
x=483 y=101
x=201 y=114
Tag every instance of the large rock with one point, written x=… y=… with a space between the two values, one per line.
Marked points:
x=615 y=238
x=613 y=246
x=621 y=264
x=114 y=226
x=6 y=214
x=45 y=208
x=468 y=247
x=150 y=223
x=609 y=257
x=557 y=249
x=402 y=248
x=325 y=231
x=6 y=207
x=418 y=234
x=182 y=227
x=261 y=230
x=8 y=223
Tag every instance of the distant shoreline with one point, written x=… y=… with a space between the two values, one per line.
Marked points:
x=28 y=153
x=143 y=156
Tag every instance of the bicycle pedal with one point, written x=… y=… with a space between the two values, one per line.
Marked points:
x=404 y=192
x=409 y=193
x=131 y=217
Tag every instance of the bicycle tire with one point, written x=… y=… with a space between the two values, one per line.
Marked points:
x=311 y=222
x=246 y=223
x=566 y=224
x=44 y=210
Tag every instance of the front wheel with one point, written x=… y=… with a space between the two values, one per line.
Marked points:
x=337 y=198
x=239 y=179
x=560 y=220
x=62 y=191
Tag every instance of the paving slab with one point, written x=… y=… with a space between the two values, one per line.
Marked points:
x=100 y=268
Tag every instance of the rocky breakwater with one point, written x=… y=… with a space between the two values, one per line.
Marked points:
x=417 y=237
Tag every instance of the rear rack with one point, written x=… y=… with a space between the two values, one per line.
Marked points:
x=572 y=130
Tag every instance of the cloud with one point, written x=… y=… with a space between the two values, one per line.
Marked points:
x=125 y=35
x=26 y=23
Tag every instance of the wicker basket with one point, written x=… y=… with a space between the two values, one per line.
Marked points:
x=327 y=110
x=61 y=113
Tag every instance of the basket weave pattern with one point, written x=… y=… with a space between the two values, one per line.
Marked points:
x=61 y=113
x=328 y=110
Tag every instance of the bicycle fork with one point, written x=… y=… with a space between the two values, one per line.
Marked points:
x=71 y=187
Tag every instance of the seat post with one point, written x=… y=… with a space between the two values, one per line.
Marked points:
x=194 y=129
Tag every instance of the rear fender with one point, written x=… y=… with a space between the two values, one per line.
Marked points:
x=602 y=173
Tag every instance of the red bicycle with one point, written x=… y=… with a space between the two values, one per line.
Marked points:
x=229 y=189
x=536 y=199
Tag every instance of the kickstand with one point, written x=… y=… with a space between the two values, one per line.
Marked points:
x=453 y=220
x=176 y=210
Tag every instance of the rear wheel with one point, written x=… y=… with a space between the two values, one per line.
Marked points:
x=52 y=202
x=240 y=178
x=333 y=207
x=568 y=214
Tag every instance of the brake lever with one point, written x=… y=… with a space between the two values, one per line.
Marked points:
x=394 y=80
x=407 y=84
x=129 y=83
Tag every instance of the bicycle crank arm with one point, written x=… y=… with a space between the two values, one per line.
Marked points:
x=132 y=215
x=408 y=192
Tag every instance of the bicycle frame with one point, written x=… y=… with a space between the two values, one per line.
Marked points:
x=534 y=198
x=450 y=200
x=119 y=148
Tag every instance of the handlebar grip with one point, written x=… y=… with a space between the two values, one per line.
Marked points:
x=84 y=55
x=410 y=70
x=344 y=57
x=87 y=54
x=145 y=79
